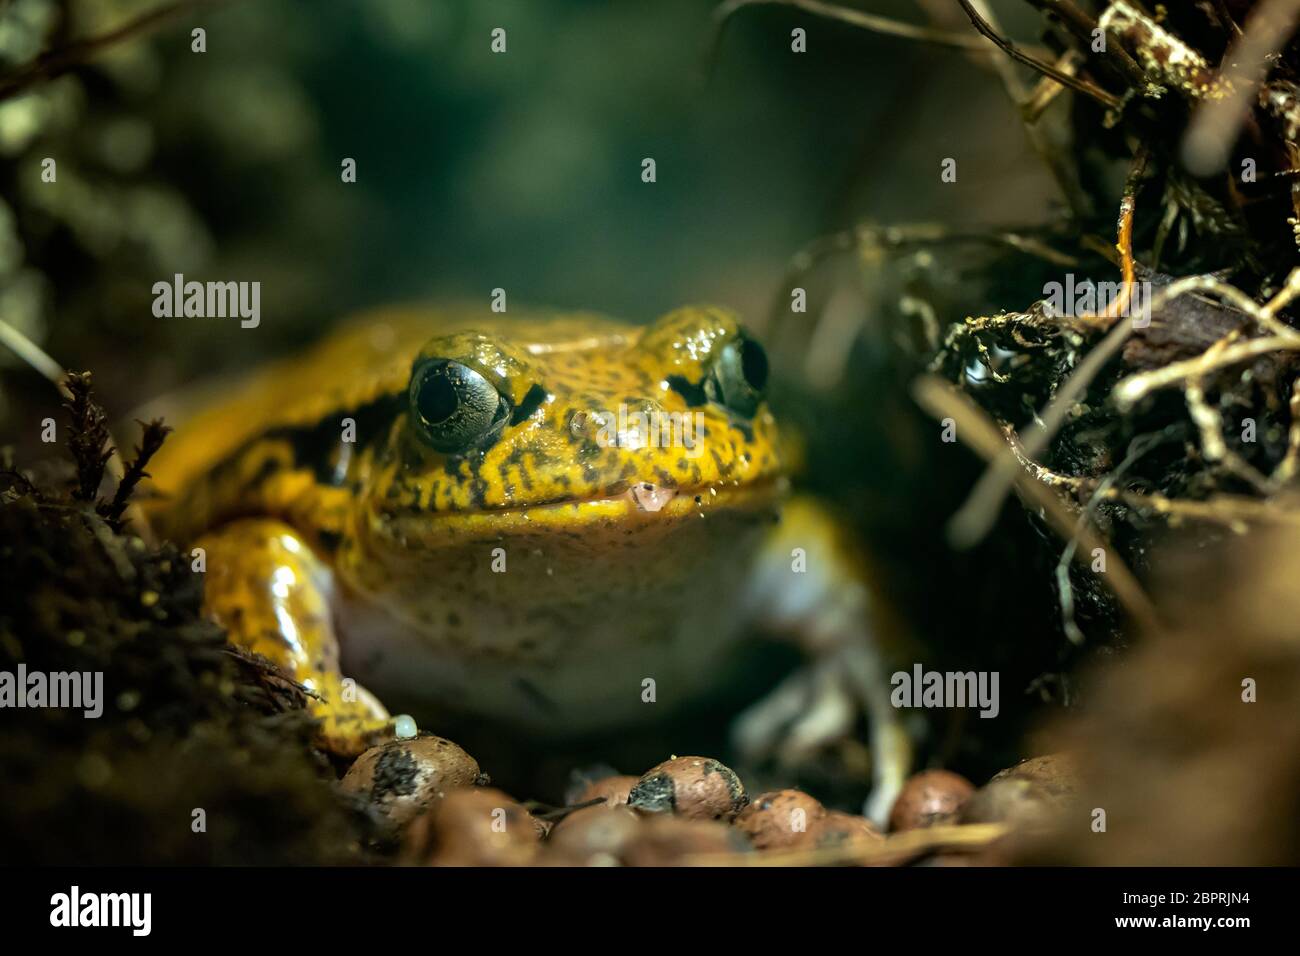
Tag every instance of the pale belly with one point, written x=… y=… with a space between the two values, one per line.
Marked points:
x=578 y=634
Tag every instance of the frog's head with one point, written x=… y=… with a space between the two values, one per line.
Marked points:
x=572 y=424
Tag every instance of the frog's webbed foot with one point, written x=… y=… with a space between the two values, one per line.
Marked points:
x=826 y=606
x=811 y=709
x=352 y=719
x=270 y=591
x=818 y=706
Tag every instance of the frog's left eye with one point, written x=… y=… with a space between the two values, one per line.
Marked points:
x=455 y=408
x=739 y=376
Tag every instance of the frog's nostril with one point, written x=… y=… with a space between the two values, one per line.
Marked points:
x=651 y=497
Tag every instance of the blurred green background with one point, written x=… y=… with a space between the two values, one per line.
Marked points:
x=475 y=170
x=523 y=171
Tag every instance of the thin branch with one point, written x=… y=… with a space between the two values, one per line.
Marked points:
x=53 y=63
x=1079 y=85
x=1234 y=512
x=1047 y=89
x=35 y=356
x=1225 y=15
x=868 y=235
x=978 y=431
x=1136 y=387
x=886 y=241
x=1082 y=25
x=858 y=18
x=1213 y=446
x=1139 y=447
x=1039 y=139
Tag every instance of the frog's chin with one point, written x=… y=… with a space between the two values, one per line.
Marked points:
x=643 y=504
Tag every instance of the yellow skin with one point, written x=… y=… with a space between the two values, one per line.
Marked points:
x=541 y=573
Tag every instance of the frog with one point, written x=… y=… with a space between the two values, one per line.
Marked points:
x=476 y=512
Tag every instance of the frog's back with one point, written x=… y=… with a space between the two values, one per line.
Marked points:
x=365 y=362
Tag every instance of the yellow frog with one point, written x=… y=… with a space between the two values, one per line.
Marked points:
x=547 y=520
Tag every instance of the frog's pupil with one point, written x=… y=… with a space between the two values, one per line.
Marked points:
x=438 y=399
x=753 y=362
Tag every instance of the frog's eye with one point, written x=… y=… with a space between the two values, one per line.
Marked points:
x=739 y=376
x=455 y=408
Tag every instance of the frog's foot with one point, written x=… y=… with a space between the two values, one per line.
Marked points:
x=818 y=706
x=352 y=720
x=891 y=747
x=270 y=591
x=825 y=601
x=812 y=708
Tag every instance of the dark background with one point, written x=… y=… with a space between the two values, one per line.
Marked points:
x=474 y=170
x=522 y=171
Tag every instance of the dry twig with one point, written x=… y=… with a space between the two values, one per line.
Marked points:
x=896 y=848
x=978 y=432
x=977 y=515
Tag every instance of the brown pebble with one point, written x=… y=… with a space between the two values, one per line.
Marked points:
x=617 y=836
x=403 y=778
x=928 y=798
x=779 y=818
x=840 y=829
x=1055 y=774
x=669 y=841
x=596 y=836
x=697 y=788
x=613 y=790
x=1031 y=796
x=474 y=827
x=1009 y=800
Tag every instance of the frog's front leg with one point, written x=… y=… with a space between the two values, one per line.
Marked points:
x=812 y=584
x=270 y=591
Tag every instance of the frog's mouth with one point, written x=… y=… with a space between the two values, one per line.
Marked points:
x=642 y=502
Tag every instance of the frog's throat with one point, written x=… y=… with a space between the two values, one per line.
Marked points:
x=640 y=504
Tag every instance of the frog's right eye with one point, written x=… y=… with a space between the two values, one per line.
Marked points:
x=739 y=376
x=455 y=408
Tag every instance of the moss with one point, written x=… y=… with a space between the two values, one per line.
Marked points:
x=201 y=755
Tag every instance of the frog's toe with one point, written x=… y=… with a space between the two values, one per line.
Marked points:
x=829 y=717
x=819 y=706
x=352 y=720
x=350 y=736
x=757 y=732
x=812 y=708
x=892 y=755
